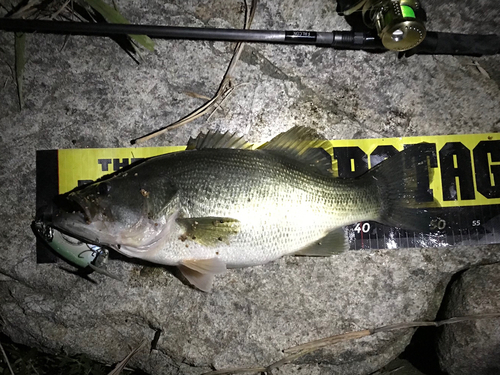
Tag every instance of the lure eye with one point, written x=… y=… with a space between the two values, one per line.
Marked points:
x=103 y=188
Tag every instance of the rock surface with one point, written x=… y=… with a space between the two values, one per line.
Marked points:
x=472 y=347
x=90 y=94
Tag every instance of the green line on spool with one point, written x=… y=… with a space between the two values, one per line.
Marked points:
x=407 y=11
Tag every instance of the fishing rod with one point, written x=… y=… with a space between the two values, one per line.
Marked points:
x=396 y=25
x=344 y=39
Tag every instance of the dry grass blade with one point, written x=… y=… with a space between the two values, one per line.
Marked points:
x=481 y=70
x=225 y=87
x=287 y=359
x=60 y=10
x=218 y=105
x=303 y=349
x=113 y=16
x=196 y=95
x=20 y=47
x=6 y=359
x=321 y=343
x=27 y=10
x=439 y=323
x=236 y=371
x=121 y=366
x=34 y=370
x=386 y=372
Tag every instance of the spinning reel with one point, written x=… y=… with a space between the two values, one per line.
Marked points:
x=399 y=23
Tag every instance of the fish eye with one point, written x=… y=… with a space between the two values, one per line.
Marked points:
x=103 y=188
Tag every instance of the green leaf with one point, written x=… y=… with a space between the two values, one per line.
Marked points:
x=20 y=47
x=113 y=16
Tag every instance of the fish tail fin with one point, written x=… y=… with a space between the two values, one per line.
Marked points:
x=402 y=185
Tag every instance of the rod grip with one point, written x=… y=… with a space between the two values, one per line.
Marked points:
x=457 y=44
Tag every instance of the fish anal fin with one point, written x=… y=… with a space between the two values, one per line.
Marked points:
x=209 y=231
x=215 y=139
x=200 y=272
x=334 y=242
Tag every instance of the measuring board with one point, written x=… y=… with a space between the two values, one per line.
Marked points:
x=464 y=170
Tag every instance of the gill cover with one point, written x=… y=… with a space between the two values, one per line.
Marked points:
x=126 y=208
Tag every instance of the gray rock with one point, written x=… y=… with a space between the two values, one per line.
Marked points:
x=472 y=347
x=91 y=93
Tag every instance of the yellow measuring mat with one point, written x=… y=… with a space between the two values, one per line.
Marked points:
x=462 y=176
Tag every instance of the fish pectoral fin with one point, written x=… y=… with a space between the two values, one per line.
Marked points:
x=200 y=272
x=209 y=231
x=334 y=242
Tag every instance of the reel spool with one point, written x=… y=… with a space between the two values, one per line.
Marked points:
x=399 y=23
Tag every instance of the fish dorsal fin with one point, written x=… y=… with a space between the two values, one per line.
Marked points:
x=303 y=144
x=334 y=242
x=215 y=139
x=318 y=158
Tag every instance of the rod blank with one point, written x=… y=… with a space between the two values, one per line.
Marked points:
x=339 y=39
x=434 y=43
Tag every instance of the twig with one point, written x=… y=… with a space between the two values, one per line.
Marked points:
x=480 y=69
x=303 y=349
x=435 y=324
x=26 y=10
x=385 y=372
x=20 y=57
x=239 y=370
x=13 y=74
x=34 y=369
x=72 y=12
x=226 y=95
x=60 y=10
x=121 y=366
x=6 y=359
x=321 y=343
x=196 y=95
x=224 y=87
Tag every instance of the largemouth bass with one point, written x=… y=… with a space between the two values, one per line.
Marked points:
x=220 y=204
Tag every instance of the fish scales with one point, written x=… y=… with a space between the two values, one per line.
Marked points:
x=282 y=206
x=214 y=207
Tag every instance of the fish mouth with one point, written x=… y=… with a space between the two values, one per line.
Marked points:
x=73 y=216
x=74 y=205
x=59 y=215
x=64 y=213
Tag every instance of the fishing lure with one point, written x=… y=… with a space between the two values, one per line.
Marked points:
x=78 y=253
